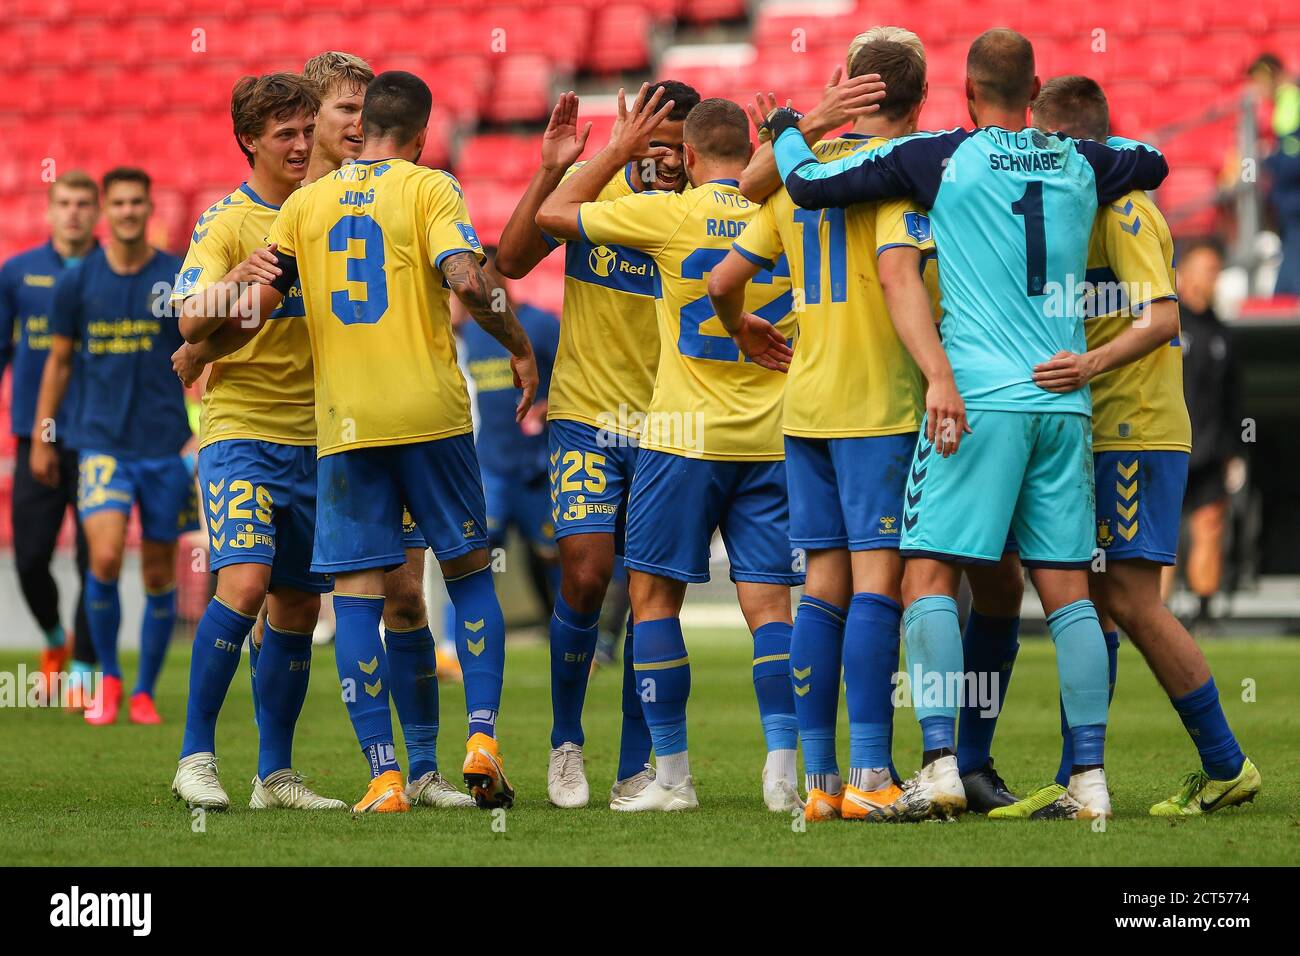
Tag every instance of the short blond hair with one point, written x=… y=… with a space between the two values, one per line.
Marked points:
x=888 y=35
x=75 y=179
x=332 y=69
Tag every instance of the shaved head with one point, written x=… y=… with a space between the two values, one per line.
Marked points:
x=1000 y=65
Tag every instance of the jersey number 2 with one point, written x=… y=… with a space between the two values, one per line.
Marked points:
x=367 y=267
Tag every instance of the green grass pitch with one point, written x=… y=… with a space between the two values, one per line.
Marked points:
x=76 y=795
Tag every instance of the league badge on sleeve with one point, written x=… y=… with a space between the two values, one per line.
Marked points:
x=469 y=235
x=917 y=225
x=187 y=280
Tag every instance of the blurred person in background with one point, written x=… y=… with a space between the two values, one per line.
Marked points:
x=26 y=294
x=112 y=331
x=1210 y=385
x=1279 y=101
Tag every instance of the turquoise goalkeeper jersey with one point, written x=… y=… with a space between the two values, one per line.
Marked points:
x=1011 y=213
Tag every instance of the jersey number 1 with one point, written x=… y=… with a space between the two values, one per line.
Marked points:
x=1030 y=206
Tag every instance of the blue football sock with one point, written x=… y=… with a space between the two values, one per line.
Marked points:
x=480 y=646
x=773 y=687
x=155 y=634
x=934 y=662
x=254 y=650
x=870 y=661
x=55 y=636
x=218 y=641
x=816 y=646
x=1067 y=743
x=663 y=673
x=989 y=646
x=573 y=641
x=1202 y=715
x=413 y=669
x=363 y=674
x=283 y=673
x=1081 y=664
x=634 y=741
x=104 y=615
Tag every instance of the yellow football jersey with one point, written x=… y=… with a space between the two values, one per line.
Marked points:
x=851 y=376
x=369 y=239
x=609 y=343
x=263 y=391
x=709 y=401
x=1139 y=405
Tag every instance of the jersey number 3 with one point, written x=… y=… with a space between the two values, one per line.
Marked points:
x=365 y=265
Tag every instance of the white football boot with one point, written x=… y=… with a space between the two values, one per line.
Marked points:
x=1088 y=790
x=433 y=790
x=284 y=790
x=566 y=783
x=780 y=795
x=935 y=792
x=656 y=796
x=631 y=786
x=196 y=783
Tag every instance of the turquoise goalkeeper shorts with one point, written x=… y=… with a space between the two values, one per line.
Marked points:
x=1027 y=472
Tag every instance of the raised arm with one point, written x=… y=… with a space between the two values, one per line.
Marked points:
x=842 y=101
x=523 y=245
x=488 y=304
x=629 y=140
x=1122 y=165
x=907 y=167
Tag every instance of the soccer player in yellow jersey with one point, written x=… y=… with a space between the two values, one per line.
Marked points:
x=341 y=79
x=378 y=244
x=710 y=447
x=853 y=406
x=1141 y=440
x=604 y=374
x=256 y=463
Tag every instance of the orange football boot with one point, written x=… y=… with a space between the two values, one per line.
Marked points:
x=386 y=794
x=102 y=710
x=821 y=805
x=142 y=709
x=859 y=803
x=485 y=774
x=53 y=662
x=448 y=666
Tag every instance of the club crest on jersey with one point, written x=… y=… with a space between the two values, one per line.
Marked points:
x=187 y=280
x=469 y=235
x=1104 y=538
x=917 y=225
x=602 y=260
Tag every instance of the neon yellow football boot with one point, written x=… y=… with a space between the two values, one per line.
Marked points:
x=1202 y=795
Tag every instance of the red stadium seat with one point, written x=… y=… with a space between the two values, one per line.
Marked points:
x=620 y=38
x=712 y=11
x=522 y=89
x=499 y=156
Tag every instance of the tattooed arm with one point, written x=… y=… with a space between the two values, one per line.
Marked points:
x=487 y=303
